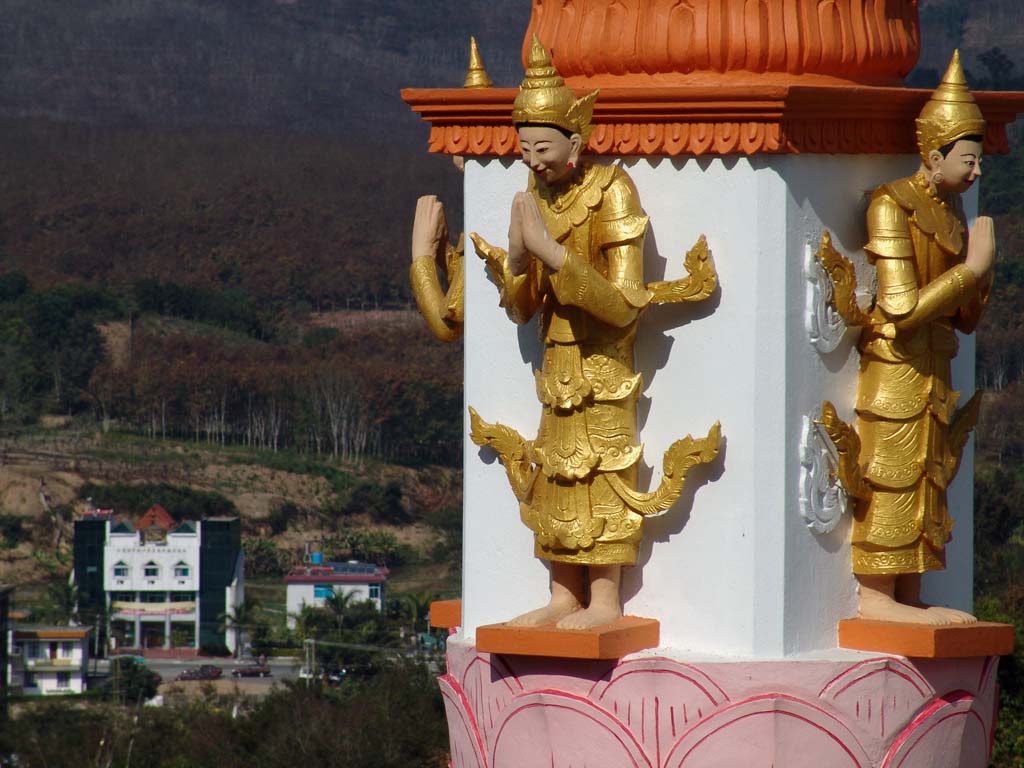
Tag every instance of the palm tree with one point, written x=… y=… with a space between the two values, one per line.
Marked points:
x=338 y=604
x=240 y=618
x=310 y=622
x=63 y=598
x=417 y=609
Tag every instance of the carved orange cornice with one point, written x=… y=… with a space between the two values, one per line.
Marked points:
x=717 y=120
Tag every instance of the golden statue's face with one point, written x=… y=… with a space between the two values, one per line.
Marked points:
x=961 y=167
x=548 y=152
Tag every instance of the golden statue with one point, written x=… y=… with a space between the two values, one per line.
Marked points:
x=441 y=307
x=576 y=256
x=933 y=280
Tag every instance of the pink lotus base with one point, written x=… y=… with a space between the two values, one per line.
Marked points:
x=653 y=712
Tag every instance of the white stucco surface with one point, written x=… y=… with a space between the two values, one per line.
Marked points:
x=177 y=549
x=298 y=596
x=732 y=568
x=44 y=660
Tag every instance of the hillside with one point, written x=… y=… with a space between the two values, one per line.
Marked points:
x=283 y=502
x=974 y=27
x=325 y=66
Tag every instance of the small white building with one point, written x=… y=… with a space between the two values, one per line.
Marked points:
x=310 y=586
x=49 y=660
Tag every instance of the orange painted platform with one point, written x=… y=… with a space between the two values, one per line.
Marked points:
x=613 y=641
x=984 y=638
x=446 y=613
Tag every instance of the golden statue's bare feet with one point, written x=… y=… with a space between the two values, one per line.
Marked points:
x=550 y=613
x=593 y=616
x=883 y=608
x=953 y=615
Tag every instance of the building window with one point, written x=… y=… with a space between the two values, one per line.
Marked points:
x=181 y=571
x=31 y=650
x=151 y=570
x=154 y=597
x=29 y=680
x=123 y=597
x=182 y=597
x=67 y=650
x=63 y=679
x=375 y=591
x=121 y=570
x=322 y=591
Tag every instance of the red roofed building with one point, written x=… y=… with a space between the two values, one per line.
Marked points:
x=311 y=585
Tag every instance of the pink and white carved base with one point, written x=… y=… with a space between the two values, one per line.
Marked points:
x=655 y=712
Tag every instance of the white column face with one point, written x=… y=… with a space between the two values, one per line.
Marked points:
x=732 y=568
x=501 y=578
x=954 y=587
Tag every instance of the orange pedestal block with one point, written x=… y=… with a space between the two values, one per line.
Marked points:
x=446 y=613
x=613 y=641
x=927 y=642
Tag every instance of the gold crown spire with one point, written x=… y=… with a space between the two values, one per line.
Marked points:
x=544 y=97
x=950 y=113
x=476 y=77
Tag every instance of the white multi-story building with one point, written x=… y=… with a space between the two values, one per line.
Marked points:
x=49 y=660
x=160 y=583
x=312 y=585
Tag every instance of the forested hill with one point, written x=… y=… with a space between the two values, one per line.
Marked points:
x=261 y=145
x=329 y=66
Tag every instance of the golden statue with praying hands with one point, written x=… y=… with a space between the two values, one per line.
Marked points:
x=575 y=256
x=934 y=279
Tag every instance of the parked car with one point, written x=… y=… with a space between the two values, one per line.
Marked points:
x=203 y=672
x=253 y=670
x=140 y=660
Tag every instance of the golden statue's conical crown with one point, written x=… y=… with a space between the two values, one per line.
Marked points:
x=545 y=98
x=950 y=113
x=476 y=77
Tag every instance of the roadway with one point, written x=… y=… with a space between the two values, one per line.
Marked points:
x=286 y=668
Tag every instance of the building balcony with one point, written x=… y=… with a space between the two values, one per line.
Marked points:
x=122 y=608
x=52 y=665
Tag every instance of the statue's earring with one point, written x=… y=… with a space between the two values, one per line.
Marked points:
x=938 y=178
x=570 y=164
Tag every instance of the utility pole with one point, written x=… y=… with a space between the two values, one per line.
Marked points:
x=310 y=648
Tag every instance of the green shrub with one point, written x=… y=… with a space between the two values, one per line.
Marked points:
x=282 y=515
x=382 y=503
x=214 y=649
x=264 y=558
x=12 y=530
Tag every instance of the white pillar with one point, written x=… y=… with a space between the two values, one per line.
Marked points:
x=732 y=569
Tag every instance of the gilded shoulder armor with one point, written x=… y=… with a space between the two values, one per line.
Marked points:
x=622 y=218
x=888 y=228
